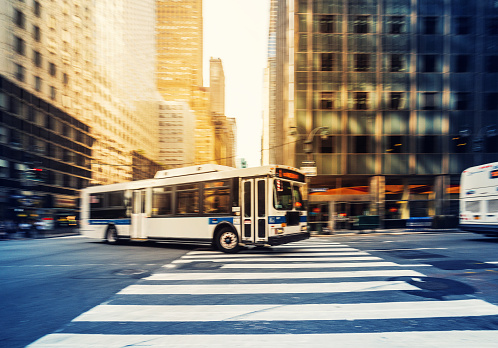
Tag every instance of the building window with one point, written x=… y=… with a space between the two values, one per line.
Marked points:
x=37 y=58
x=462 y=63
x=429 y=25
x=397 y=63
x=65 y=78
x=327 y=61
x=36 y=8
x=38 y=83
x=462 y=101
x=19 y=19
x=4 y=165
x=429 y=63
x=395 y=144
x=4 y=135
x=429 y=144
x=396 y=101
x=462 y=25
x=326 y=24
x=361 y=144
x=20 y=45
x=362 y=62
x=429 y=101
x=53 y=92
x=36 y=33
x=492 y=26
x=20 y=72
x=52 y=69
x=492 y=64
x=327 y=100
x=360 y=100
x=360 y=25
x=396 y=25
x=491 y=101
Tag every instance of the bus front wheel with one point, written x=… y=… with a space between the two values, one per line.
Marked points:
x=111 y=236
x=227 y=240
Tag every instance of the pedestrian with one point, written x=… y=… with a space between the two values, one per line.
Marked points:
x=3 y=231
x=10 y=227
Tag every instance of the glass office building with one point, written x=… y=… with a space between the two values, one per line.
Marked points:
x=408 y=90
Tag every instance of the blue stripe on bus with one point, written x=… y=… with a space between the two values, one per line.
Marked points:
x=276 y=219
x=282 y=219
x=110 y=221
x=215 y=221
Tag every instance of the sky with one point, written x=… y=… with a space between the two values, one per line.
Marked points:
x=236 y=31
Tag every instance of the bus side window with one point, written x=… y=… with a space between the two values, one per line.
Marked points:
x=161 y=201
x=216 y=197
x=187 y=199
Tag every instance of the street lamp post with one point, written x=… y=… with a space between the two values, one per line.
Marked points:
x=308 y=143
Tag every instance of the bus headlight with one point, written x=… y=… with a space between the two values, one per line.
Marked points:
x=278 y=230
x=304 y=228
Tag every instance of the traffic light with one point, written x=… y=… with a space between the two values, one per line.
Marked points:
x=36 y=174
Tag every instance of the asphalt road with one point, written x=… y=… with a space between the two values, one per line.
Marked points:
x=47 y=283
x=456 y=261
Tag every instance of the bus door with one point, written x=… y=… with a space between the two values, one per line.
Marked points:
x=254 y=210
x=138 y=216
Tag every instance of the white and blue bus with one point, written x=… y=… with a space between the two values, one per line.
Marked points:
x=205 y=204
x=479 y=199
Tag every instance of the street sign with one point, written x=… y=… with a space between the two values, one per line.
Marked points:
x=309 y=171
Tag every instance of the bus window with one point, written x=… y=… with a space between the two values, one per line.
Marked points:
x=217 y=197
x=473 y=206
x=282 y=195
x=247 y=199
x=187 y=199
x=110 y=205
x=261 y=199
x=161 y=201
x=298 y=197
x=493 y=206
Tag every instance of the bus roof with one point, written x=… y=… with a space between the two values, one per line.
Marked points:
x=204 y=168
x=493 y=165
x=202 y=173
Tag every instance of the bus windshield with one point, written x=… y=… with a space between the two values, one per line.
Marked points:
x=287 y=196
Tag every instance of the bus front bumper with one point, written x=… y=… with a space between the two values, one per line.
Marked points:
x=288 y=238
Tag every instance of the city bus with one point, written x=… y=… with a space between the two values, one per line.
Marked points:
x=479 y=199
x=207 y=204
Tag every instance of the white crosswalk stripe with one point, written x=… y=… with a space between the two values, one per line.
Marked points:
x=305 y=294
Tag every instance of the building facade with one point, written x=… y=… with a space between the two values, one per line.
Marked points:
x=176 y=143
x=406 y=90
x=45 y=157
x=179 y=69
x=69 y=60
x=224 y=126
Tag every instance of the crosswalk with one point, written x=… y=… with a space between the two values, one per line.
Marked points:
x=314 y=293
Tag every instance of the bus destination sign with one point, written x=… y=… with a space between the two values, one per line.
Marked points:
x=290 y=174
x=493 y=174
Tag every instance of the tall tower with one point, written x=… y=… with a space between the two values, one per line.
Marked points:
x=407 y=90
x=217 y=86
x=179 y=48
x=179 y=39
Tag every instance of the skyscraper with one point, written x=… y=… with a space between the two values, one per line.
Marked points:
x=179 y=40
x=406 y=90
x=224 y=126
x=77 y=106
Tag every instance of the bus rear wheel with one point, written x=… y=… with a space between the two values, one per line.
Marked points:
x=227 y=240
x=111 y=236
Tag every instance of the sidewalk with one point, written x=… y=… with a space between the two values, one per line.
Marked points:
x=386 y=231
x=57 y=232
